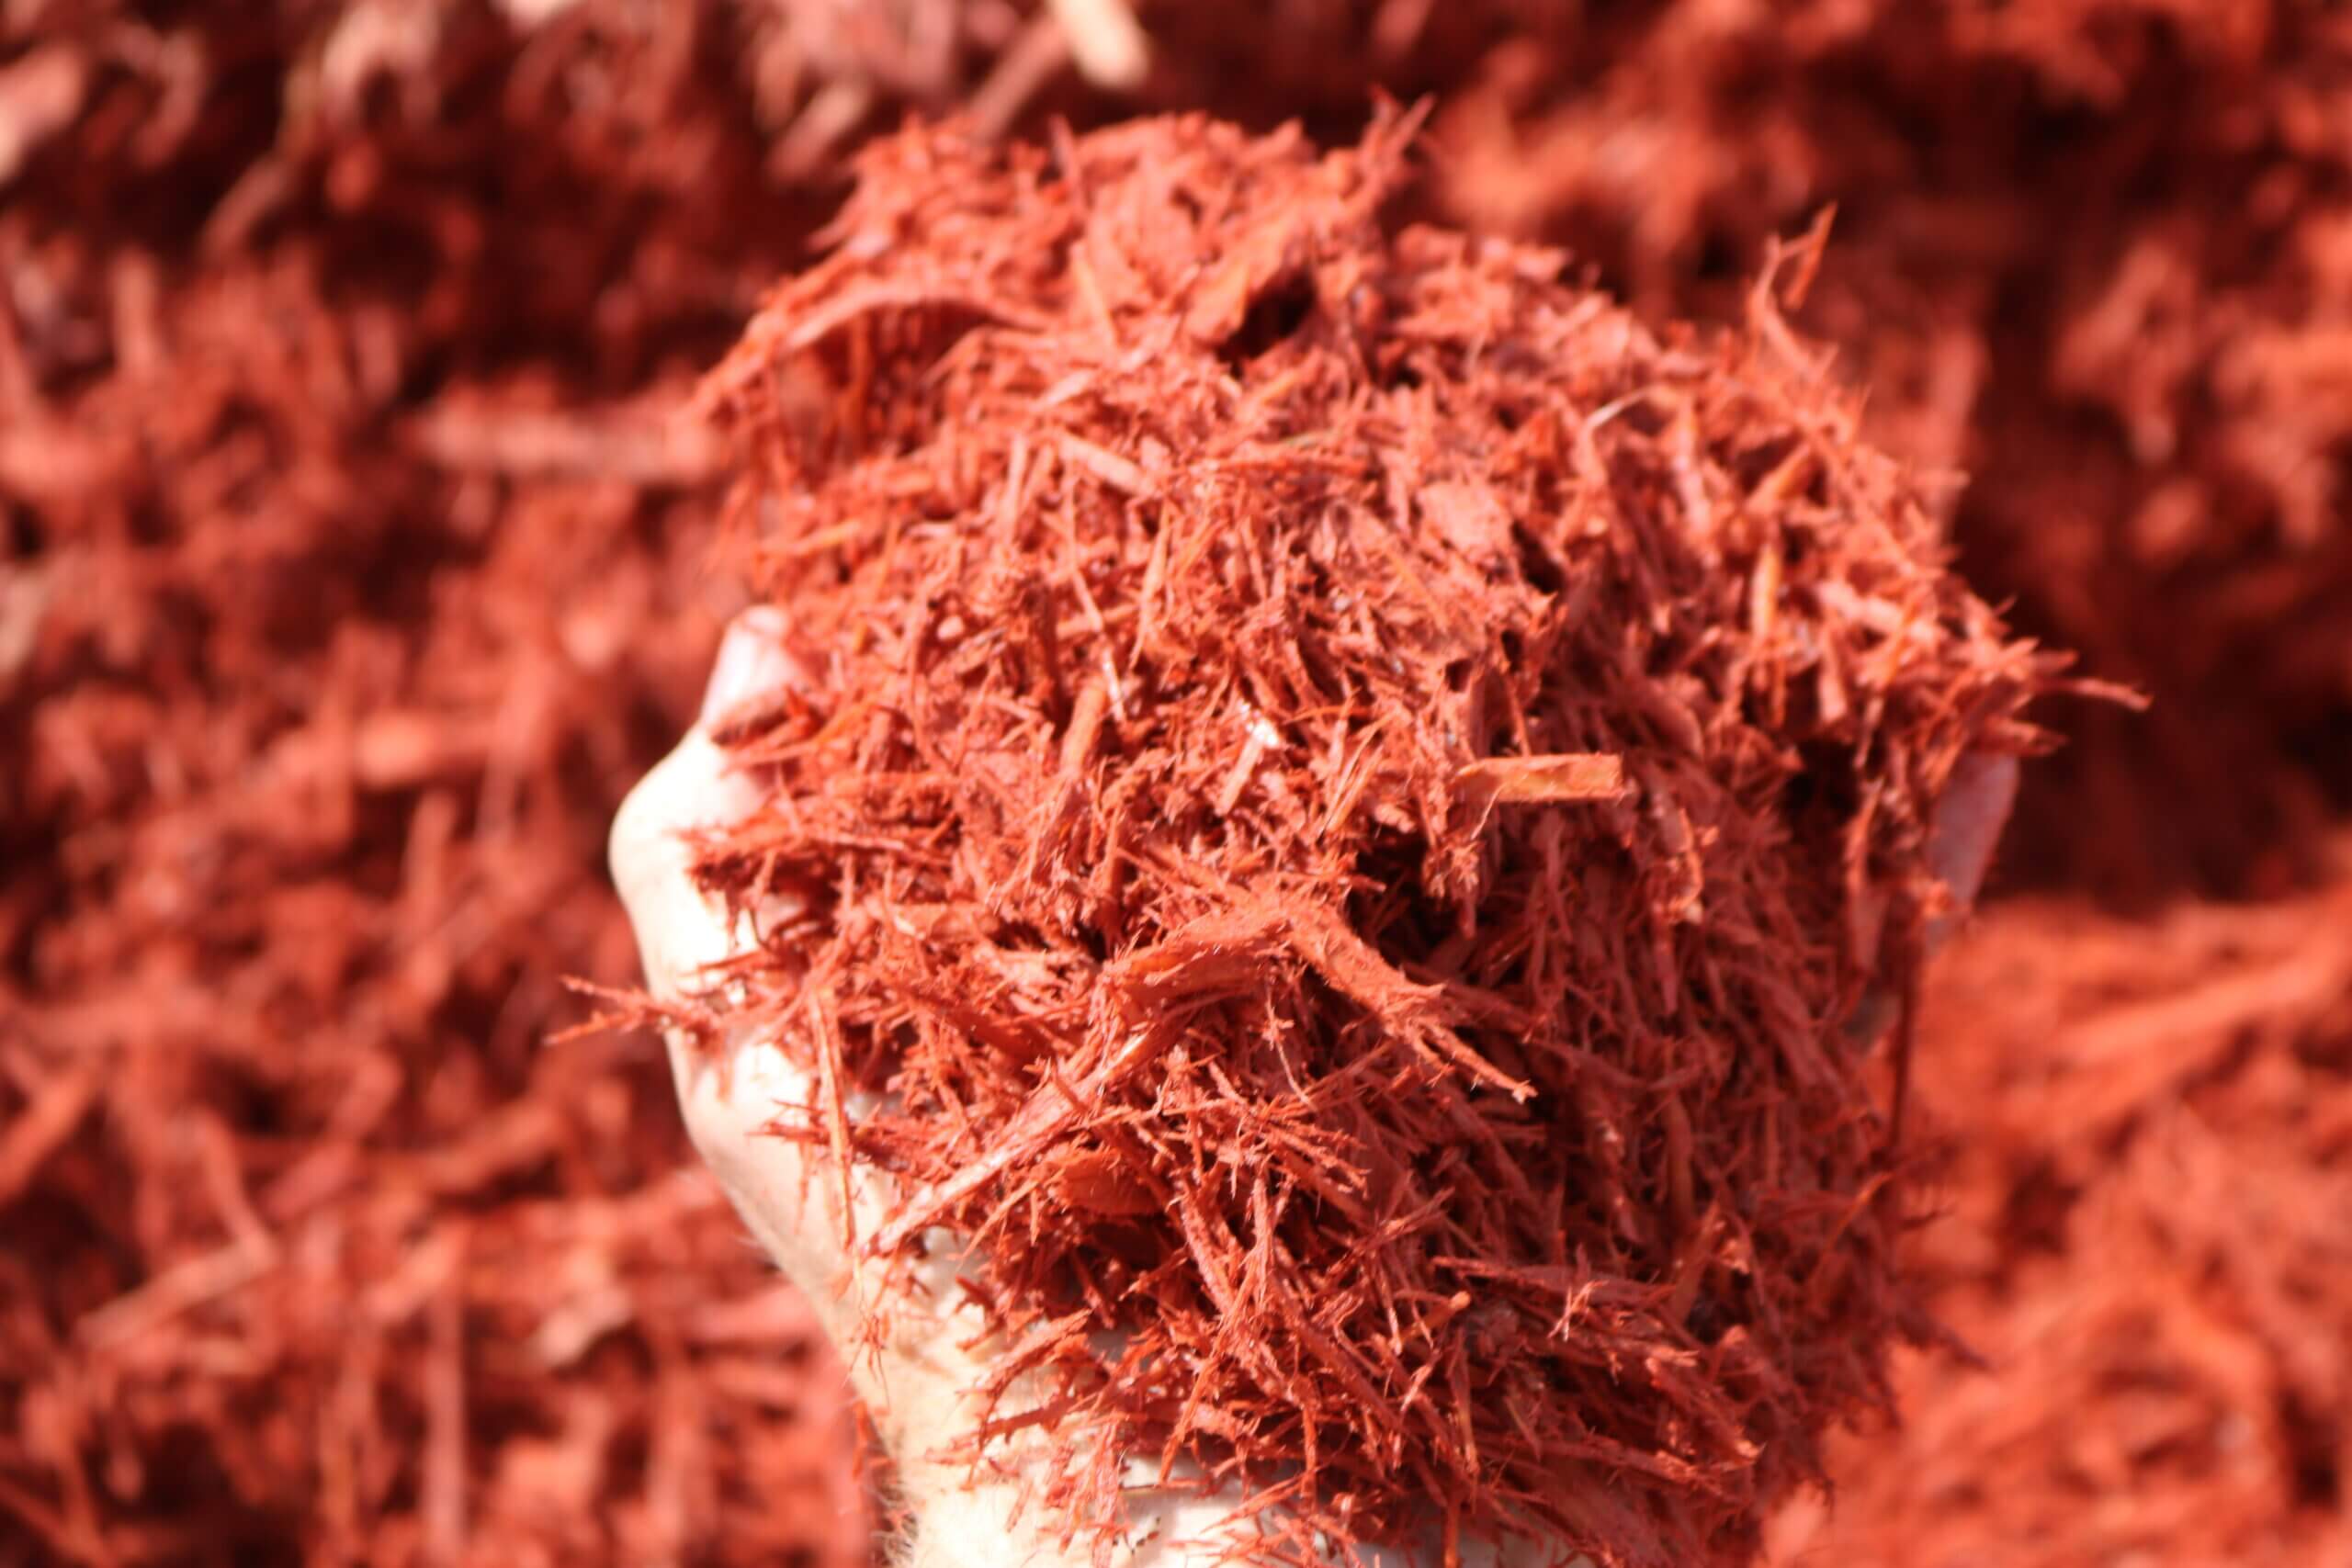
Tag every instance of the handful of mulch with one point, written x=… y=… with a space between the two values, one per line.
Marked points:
x=1349 y=789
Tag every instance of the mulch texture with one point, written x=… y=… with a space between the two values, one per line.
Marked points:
x=1347 y=791
x=353 y=563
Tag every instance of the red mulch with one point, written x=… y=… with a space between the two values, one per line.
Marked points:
x=2147 y=1238
x=355 y=572
x=349 y=572
x=1489 y=735
x=2097 y=253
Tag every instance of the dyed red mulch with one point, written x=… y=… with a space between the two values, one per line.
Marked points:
x=353 y=571
x=2145 y=1239
x=335 y=616
x=1488 y=736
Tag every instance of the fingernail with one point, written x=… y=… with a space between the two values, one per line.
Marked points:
x=1967 y=831
x=752 y=660
x=1968 y=823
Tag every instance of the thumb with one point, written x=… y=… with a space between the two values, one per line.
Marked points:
x=679 y=931
x=917 y=1351
x=732 y=1089
x=1969 y=818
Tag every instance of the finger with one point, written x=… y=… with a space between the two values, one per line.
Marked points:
x=694 y=789
x=679 y=933
x=1962 y=838
x=1967 y=829
x=731 y=1094
x=752 y=661
x=915 y=1374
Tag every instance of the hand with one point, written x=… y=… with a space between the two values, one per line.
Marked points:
x=916 y=1361
x=916 y=1347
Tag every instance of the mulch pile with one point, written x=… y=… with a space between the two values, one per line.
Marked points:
x=1348 y=790
x=352 y=565
x=355 y=571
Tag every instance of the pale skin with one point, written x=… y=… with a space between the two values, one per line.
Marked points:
x=915 y=1363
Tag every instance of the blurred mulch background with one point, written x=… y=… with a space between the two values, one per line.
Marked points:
x=352 y=565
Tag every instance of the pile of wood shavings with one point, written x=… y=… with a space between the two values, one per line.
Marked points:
x=1350 y=788
x=350 y=573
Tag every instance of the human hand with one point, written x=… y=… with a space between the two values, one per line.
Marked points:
x=918 y=1349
